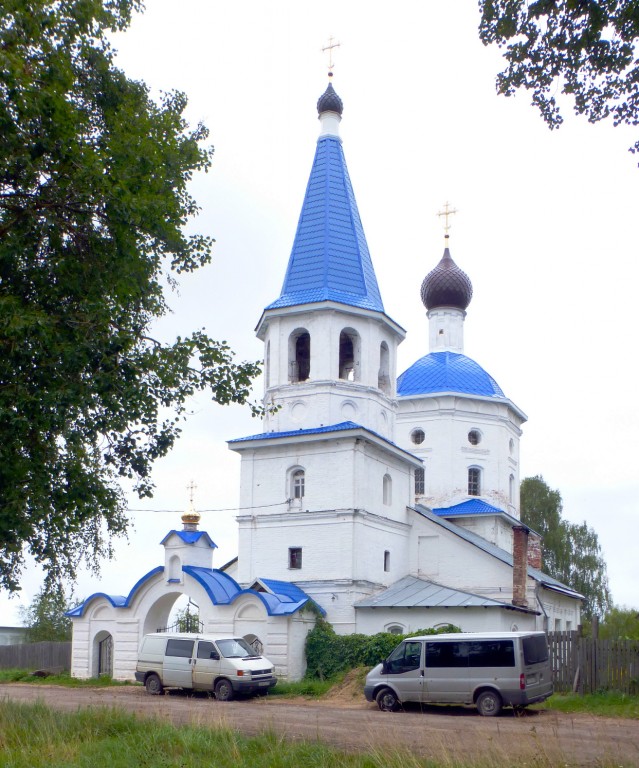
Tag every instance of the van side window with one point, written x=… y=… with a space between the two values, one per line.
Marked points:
x=494 y=653
x=447 y=654
x=205 y=649
x=182 y=648
x=404 y=658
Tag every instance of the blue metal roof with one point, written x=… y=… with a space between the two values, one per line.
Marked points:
x=412 y=592
x=330 y=259
x=341 y=427
x=447 y=372
x=191 y=537
x=117 y=601
x=284 y=599
x=470 y=507
x=344 y=426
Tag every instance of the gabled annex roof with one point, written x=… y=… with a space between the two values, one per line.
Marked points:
x=492 y=549
x=412 y=592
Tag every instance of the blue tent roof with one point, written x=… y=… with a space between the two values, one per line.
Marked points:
x=330 y=259
x=447 y=372
x=191 y=537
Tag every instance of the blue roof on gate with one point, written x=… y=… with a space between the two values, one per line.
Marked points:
x=447 y=372
x=191 y=537
x=282 y=599
x=330 y=260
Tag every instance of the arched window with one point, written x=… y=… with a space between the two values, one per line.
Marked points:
x=297 y=484
x=349 y=355
x=299 y=356
x=474 y=481
x=419 y=482
x=511 y=489
x=387 y=490
x=383 y=377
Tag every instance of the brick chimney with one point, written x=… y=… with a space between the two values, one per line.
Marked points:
x=520 y=565
x=534 y=552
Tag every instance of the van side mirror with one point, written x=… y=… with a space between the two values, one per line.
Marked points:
x=384 y=667
x=215 y=656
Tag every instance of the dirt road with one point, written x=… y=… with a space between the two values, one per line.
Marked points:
x=437 y=733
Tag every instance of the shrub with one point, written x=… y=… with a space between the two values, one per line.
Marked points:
x=328 y=653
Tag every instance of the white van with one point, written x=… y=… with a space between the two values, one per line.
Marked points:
x=223 y=664
x=490 y=670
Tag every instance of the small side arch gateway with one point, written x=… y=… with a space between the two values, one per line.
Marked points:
x=107 y=629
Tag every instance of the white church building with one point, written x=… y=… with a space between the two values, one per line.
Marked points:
x=402 y=494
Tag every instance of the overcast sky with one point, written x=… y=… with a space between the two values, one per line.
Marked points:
x=546 y=230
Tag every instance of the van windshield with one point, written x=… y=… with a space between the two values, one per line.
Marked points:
x=535 y=649
x=235 y=648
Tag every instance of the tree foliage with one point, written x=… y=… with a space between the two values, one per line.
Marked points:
x=571 y=552
x=93 y=203
x=45 y=617
x=585 y=49
x=620 y=623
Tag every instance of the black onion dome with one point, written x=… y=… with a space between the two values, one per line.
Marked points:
x=329 y=101
x=447 y=285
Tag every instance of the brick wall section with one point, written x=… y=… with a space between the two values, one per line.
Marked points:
x=520 y=563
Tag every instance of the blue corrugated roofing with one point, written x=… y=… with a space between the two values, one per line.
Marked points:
x=412 y=592
x=341 y=427
x=470 y=507
x=284 y=599
x=191 y=537
x=447 y=372
x=330 y=259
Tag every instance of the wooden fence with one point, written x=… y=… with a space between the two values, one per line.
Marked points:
x=36 y=656
x=588 y=664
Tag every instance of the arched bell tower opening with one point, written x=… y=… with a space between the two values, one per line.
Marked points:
x=349 y=355
x=299 y=356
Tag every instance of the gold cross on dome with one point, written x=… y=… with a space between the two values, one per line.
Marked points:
x=329 y=48
x=191 y=489
x=447 y=212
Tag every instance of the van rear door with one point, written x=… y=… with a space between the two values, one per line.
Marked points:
x=178 y=663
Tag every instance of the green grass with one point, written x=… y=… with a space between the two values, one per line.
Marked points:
x=65 y=679
x=33 y=736
x=604 y=704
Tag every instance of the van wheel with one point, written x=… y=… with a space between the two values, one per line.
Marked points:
x=489 y=703
x=387 y=701
x=223 y=690
x=153 y=685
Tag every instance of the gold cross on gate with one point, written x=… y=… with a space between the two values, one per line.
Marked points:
x=329 y=48
x=447 y=212
x=191 y=489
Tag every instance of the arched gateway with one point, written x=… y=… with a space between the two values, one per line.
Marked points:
x=107 y=629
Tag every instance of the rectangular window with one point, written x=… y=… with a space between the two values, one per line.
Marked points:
x=386 y=560
x=419 y=482
x=295 y=557
x=535 y=649
x=181 y=648
x=485 y=653
x=474 y=481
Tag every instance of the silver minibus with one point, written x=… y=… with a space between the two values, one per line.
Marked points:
x=488 y=669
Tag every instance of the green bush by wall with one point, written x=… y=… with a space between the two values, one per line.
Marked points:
x=328 y=653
